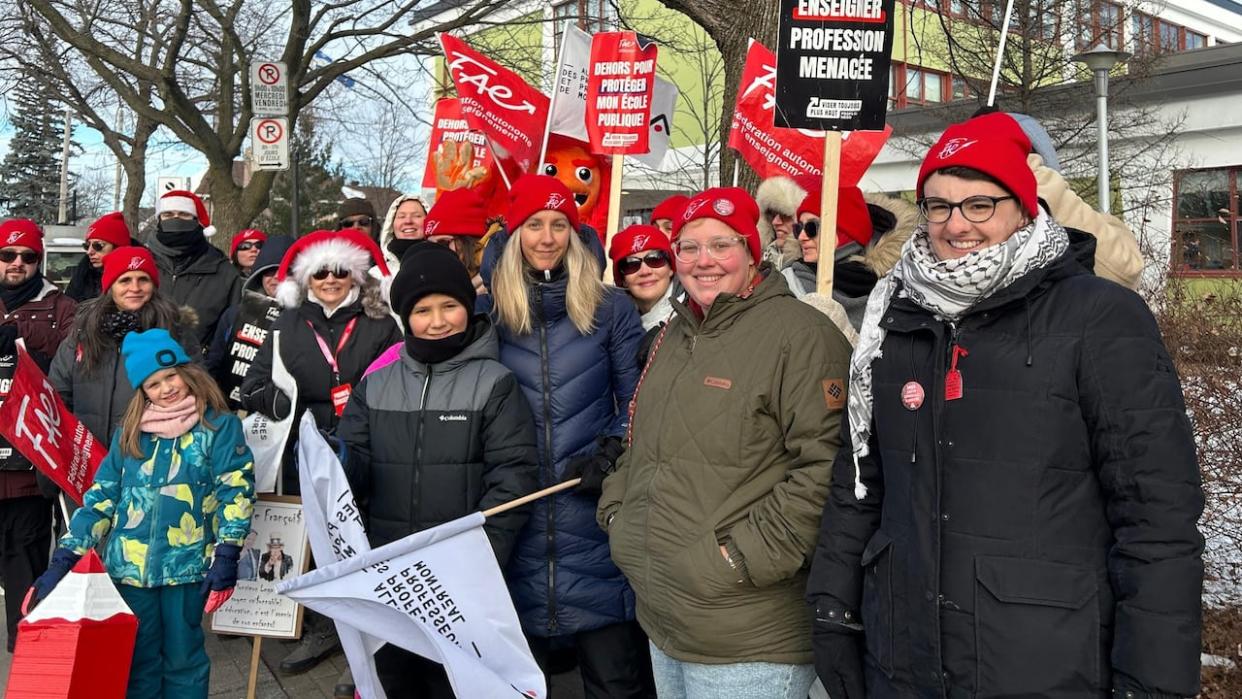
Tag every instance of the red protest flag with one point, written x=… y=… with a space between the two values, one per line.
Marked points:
x=619 y=92
x=499 y=104
x=36 y=422
x=774 y=151
x=450 y=125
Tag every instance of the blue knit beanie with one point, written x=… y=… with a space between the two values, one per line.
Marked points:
x=147 y=352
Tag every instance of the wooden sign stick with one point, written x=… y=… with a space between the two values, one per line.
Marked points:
x=533 y=496
x=828 y=212
x=255 y=659
x=614 y=209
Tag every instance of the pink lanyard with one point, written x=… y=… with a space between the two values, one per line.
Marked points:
x=328 y=356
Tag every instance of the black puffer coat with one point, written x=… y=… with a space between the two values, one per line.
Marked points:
x=209 y=284
x=429 y=444
x=374 y=332
x=1035 y=537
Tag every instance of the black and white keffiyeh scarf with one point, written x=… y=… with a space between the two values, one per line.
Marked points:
x=946 y=288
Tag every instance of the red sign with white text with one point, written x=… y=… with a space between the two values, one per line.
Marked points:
x=499 y=104
x=36 y=422
x=774 y=151
x=619 y=89
x=449 y=124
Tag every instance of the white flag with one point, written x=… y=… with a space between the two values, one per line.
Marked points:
x=569 y=86
x=438 y=593
x=267 y=437
x=334 y=527
x=663 y=108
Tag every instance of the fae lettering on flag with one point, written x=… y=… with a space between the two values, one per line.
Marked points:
x=832 y=64
x=10 y=458
x=449 y=124
x=438 y=593
x=619 y=92
x=36 y=422
x=774 y=151
x=498 y=103
x=254 y=321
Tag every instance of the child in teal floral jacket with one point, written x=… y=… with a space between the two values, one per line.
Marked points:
x=176 y=492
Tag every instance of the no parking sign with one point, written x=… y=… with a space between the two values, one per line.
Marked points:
x=269 y=143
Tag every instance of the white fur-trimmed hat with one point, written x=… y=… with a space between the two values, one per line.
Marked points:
x=348 y=249
x=188 y=202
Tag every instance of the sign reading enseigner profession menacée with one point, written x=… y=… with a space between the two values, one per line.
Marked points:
x=832 y=64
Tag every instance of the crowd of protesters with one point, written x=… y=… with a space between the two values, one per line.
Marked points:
x=967 y=471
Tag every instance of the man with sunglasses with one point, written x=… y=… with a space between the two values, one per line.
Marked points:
x=106 y=234
x=33 y=309
x=359 y=213
x=192 y=271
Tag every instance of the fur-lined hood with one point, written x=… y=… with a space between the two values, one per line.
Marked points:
x=783 y=195
x=885 y=247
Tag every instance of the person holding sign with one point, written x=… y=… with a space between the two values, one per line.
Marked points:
x=259 y=287
x=713 y=510
x=1018 y=492
x=571 y=343
x=174 y=498
x=335 y=323
x=34 y=310
x=439 y=433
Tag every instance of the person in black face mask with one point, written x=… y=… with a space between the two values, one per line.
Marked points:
x=195 y=273
x=473 y=434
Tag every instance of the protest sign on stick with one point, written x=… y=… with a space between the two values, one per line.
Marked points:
x=36 y=422
x=832 y=69
x=255 y=317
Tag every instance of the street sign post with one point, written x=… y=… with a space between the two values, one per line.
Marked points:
x=269 y=88
x=168 y=184
x=269 y=144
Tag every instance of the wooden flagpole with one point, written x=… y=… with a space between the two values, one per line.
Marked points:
x=532 y=497
x=614 y=209
x=828 y=212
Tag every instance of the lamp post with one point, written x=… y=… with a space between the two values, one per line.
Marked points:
x=1101 y=60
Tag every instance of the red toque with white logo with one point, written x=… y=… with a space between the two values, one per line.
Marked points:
x=128 y=259
x=732 y=206
x=534 y=193
x=457 y=212
x=853 y=216
x=669 y=208
x=245 y=235
x=21 y=232
x=188 y=202
x=110 y=228
x=635 y=240
x=993 y=144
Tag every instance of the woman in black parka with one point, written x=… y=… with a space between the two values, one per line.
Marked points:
x=1013 y=512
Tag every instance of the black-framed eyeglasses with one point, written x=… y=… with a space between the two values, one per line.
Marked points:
x=250 y=245
x=654 y=259
x=976 y=209
x=336 y=274
x=355 y=222
x=29 y=257
x=95 y=246
x=718 y=248
x=811 y=228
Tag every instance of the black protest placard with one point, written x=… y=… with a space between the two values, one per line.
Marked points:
x=832 y=64
x=10 y=458
x=254 y=320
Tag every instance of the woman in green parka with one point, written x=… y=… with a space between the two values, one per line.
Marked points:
x=176 y=493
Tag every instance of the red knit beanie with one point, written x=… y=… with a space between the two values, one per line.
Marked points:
x=853 y=217
x=993 y=144
x=127 y=259
x=245 y=235
x=457 y=212
x=111 y=229
x=635 y=240
x=669 y=208
x=534 y=193
x=21 y=232
x=732 y=206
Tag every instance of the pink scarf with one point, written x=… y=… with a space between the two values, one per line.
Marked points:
x=172 y=421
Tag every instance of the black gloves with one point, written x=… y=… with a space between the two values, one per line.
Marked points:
x=223 y=572
x=595 y=468
x=281 y=405
x=838 y=650
x=8 y=340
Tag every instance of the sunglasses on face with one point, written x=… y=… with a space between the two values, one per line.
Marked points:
x=250 y=245
x=95 y=246
x=356 y=222
x=336 y=274
x=29 y=258
x=654 y=259
x=771 y=214
x=811 y=228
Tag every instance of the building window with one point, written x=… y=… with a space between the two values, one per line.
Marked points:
x=601 y=16
x=1206 y=221
x=1152 y=35
x=1099 y=23
x=910 y=87
x=1195 y=40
